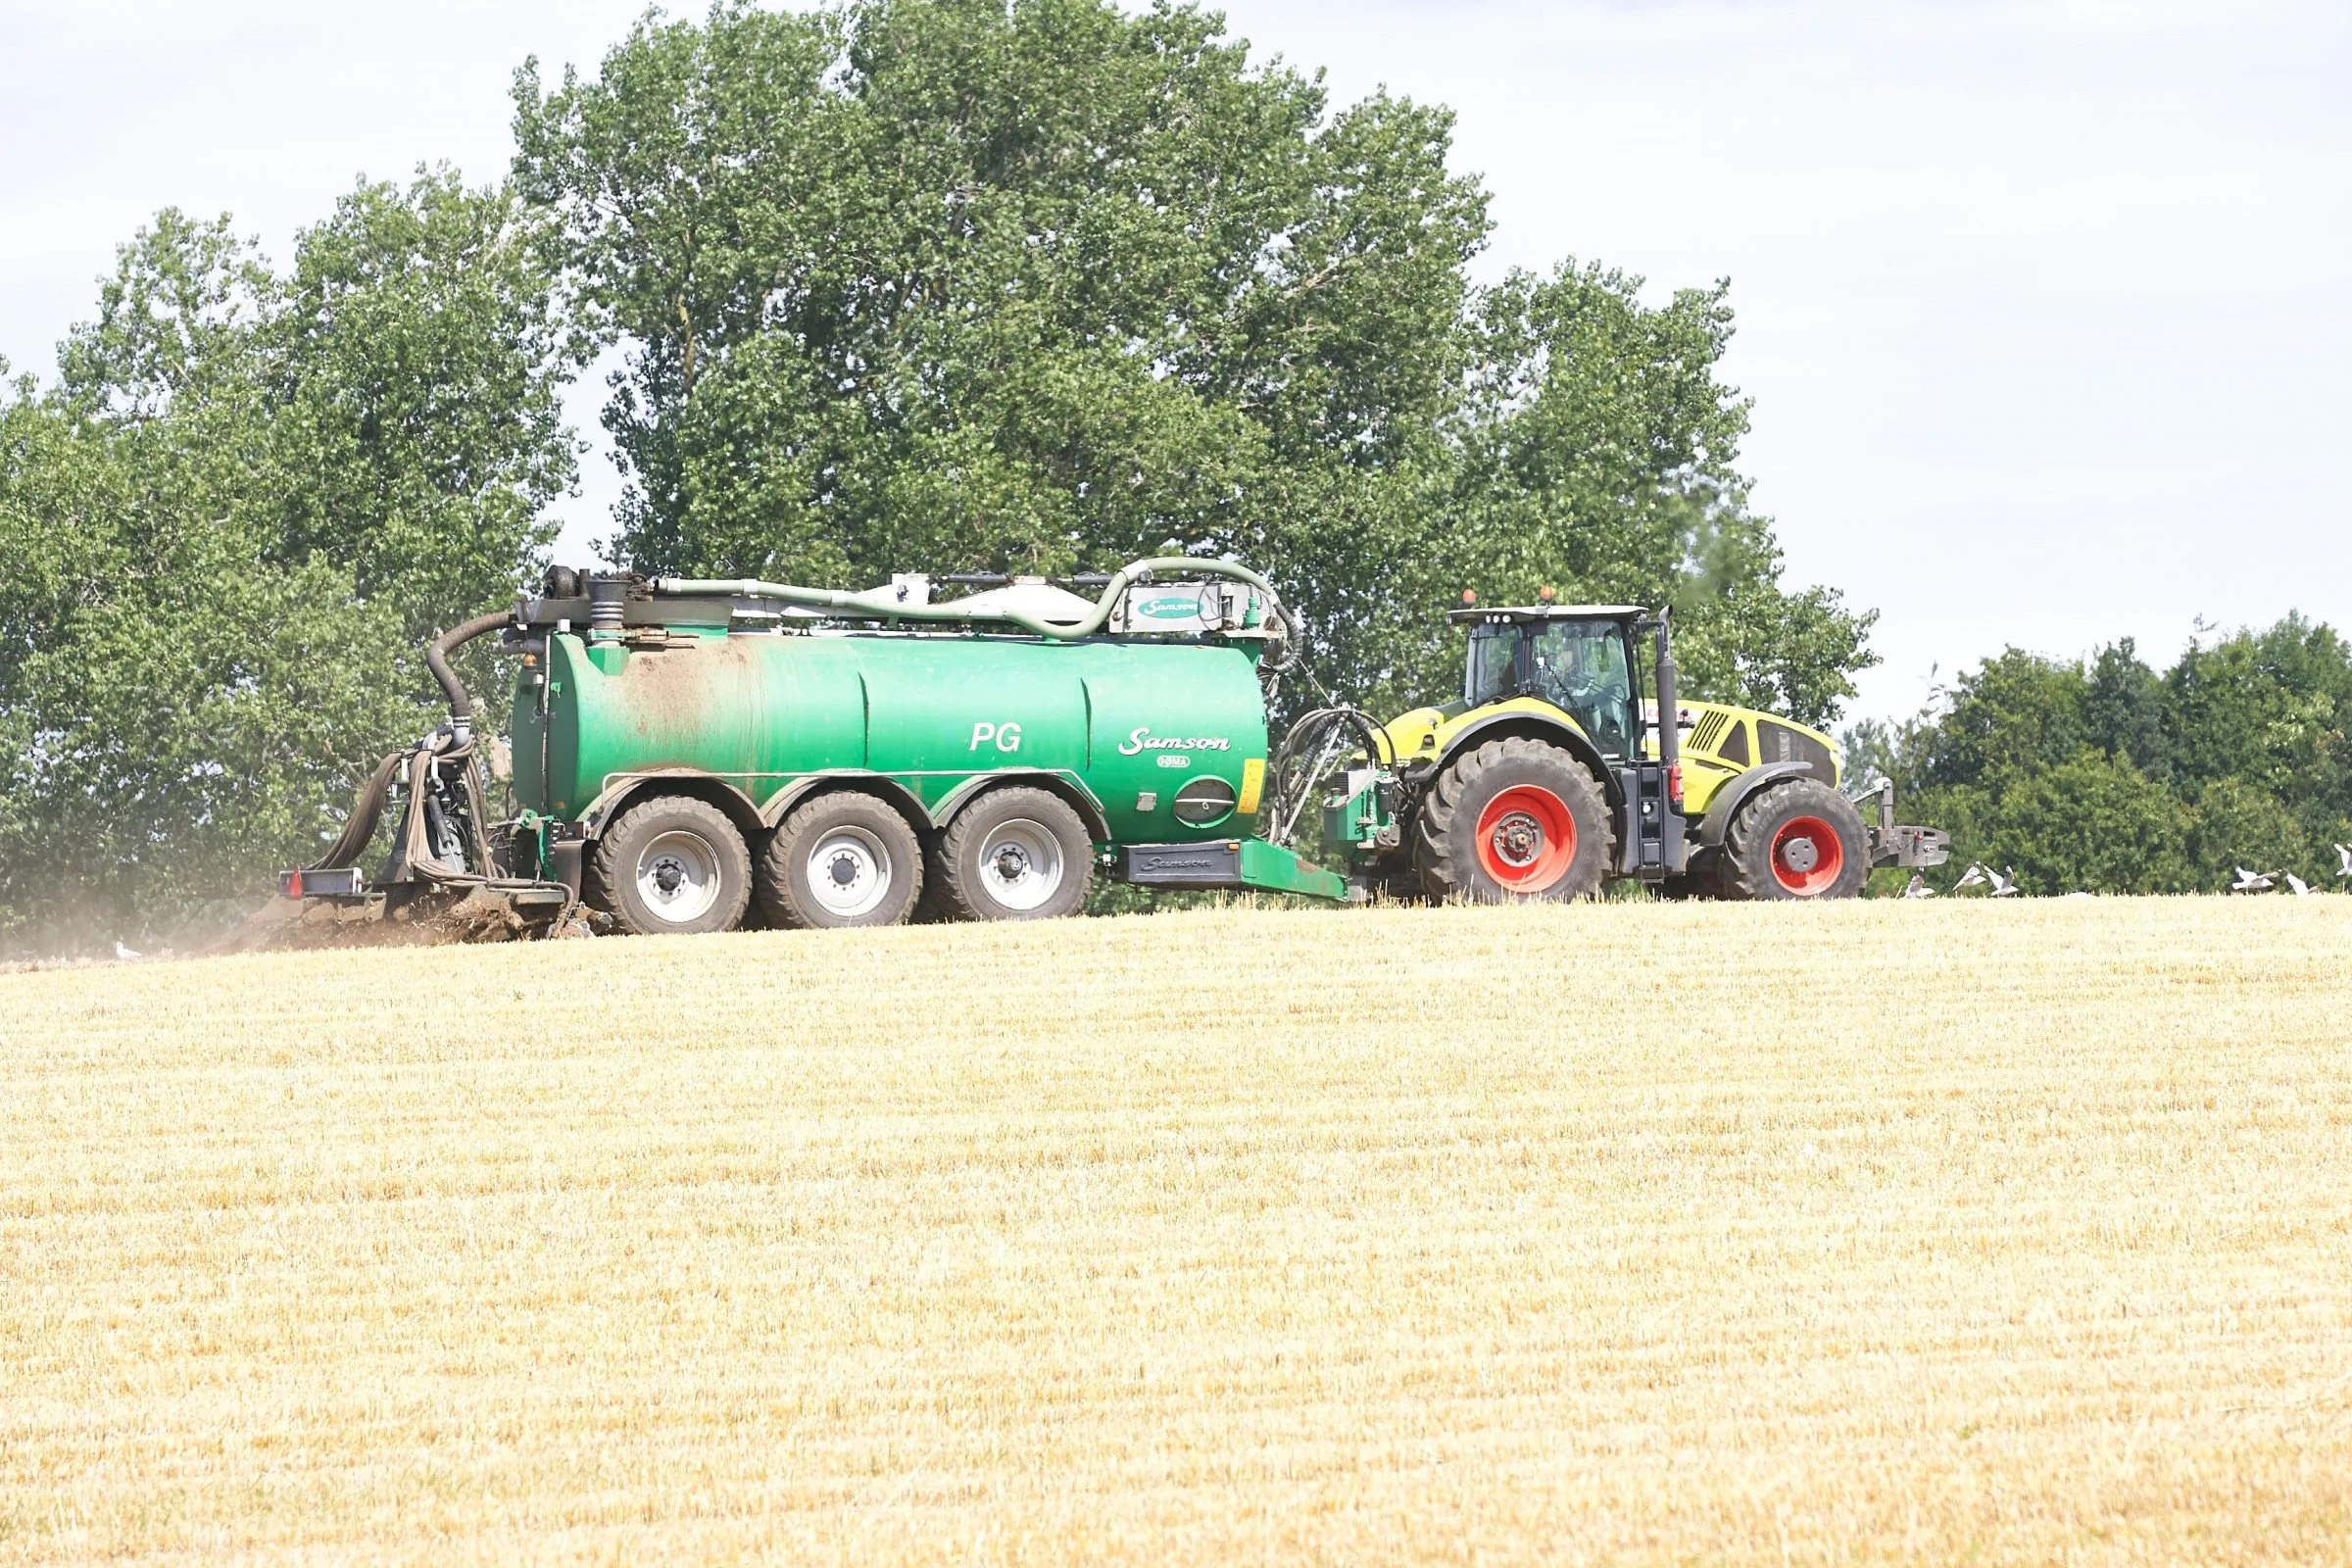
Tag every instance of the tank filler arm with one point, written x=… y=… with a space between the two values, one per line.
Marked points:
x=880 y=602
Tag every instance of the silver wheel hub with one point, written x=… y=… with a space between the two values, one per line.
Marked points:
x=1800 y=855
x=1021 y=865
x=677 y=876
x=850 y=872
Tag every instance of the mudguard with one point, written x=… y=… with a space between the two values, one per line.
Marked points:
x=1521 y=721
x=1733 y=796
x=1079 y=797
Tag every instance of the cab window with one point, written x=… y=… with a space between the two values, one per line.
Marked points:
x=1491 y=675
x=1577 y=665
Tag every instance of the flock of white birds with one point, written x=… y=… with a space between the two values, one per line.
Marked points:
x=2003 y=884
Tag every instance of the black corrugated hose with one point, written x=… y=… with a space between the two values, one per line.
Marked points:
x=436 y=659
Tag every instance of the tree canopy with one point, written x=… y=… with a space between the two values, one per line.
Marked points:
x=2102 y=775
x=952 y=284
x=231 y=519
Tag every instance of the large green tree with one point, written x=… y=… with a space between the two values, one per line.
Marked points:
x=902 y=283
x=230 y=518
x=963 y=284
x=1598 y=454
x=415 y=367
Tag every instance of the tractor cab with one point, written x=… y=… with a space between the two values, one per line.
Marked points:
x=1577 y=657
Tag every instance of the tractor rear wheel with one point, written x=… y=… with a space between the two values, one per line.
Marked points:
x=844 y=858
x=1514 y=821
x=675 y=866
x=1017 y=854
x=1801 y=840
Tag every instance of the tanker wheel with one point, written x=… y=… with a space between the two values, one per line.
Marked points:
x=1017 y=854
x=1514 y=821
x=1801 y=840
x=673 y=865
x=841 y=859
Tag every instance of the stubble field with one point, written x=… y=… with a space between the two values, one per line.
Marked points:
x=2015 y=1232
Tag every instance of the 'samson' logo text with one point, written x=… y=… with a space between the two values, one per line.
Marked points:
x=1141 y=739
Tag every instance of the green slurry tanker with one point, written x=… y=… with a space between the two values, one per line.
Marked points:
x=685 y=750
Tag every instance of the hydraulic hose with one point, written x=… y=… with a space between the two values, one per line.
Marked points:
x=1296 y=641
x=436 y=659
x=360 y=827
x=880 y=604
x=1307 y=752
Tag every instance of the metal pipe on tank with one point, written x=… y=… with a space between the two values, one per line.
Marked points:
x=884 y=603
x=608 y=608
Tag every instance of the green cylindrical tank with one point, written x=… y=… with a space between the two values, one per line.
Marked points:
x=1166 y=739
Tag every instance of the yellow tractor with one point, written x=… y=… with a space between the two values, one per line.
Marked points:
x=1553 y=775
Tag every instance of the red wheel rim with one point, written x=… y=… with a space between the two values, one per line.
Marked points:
x=1526 y=839
x=1807 y=855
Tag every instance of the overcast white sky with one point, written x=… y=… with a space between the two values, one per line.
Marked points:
x=2046 y=307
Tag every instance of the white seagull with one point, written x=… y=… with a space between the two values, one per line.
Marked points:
x=1919 y=888
x=2252 y=881
x=2343 y=853
x=2297 y=884
x=2004 y=884
x=124 y=952
x=1972 y=878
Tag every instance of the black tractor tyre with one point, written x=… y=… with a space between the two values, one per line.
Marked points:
x=844 y=858
x=1701 y=878
x=1514 y=821
x=673 y=865
x=1799 y=840
x=1017 y=854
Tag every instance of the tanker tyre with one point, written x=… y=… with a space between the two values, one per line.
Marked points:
x=1515 y=821
x=1017 y=854
x=935 y=907
x=673 y=865
x=1801 y=840
x=844 y=858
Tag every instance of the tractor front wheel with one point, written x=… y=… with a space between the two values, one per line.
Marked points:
x=1801 y=840
x=1514 y=821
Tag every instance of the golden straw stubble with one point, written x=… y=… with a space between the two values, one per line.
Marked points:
x=1618 y=1233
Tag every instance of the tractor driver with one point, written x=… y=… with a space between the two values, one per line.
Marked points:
x=1579 y=666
